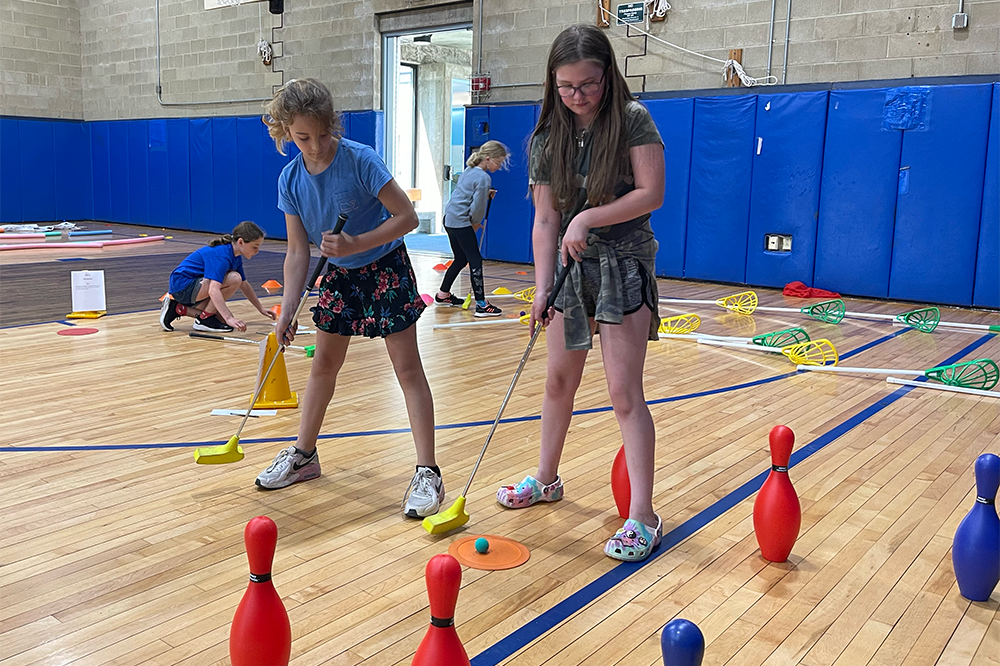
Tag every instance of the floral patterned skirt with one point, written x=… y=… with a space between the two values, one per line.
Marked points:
x=376 y=300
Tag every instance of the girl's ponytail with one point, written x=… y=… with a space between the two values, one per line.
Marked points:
x=245 y=231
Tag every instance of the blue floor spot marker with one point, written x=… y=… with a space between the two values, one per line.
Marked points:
x=534 y=629
x=72 y=259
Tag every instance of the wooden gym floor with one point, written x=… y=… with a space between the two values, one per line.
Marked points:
x=118 y=549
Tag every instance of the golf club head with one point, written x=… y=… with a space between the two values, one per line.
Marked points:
x=229 y=452
x=450 y=519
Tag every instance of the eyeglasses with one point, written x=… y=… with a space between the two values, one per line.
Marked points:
x=587 y=89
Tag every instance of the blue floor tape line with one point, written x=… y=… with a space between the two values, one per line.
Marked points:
x=549 y=619
x=448 y=426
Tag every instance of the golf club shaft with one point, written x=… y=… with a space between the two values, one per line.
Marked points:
x=225 y=338
x=295 y=317
x=563 y=272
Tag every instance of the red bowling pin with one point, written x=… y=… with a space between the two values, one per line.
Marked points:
x=777 y=515
x=621 y=487
x=441 y=645
x=261 y=634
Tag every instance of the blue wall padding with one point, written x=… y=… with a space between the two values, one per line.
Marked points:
x=987 y=291
x=905 y=108
x=719 y=196
x=74 y=181
x=138 y=169
x=367 y=127
x=202 y=176
x=158 y=173
x=272 y=220
x=10 y=171
x=100 y=138
x=224 y=166
x=38 y=175
x=937 y=219
x=119 y=171
x=508 y=230
x=858 y=197
x=178 y=201
x=674 y=118
x=787 y=170
x=249 y=171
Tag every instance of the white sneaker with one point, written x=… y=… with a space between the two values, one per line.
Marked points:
x=289 y=467
x=426 y=496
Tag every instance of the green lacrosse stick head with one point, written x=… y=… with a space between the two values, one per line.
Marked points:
x=781 y=339
x=979 y=374
x=924 y=319
x=832 y=312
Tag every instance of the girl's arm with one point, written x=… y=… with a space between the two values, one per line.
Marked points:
x=403 y=220
x=648 y=170
x=477 y=208
x=248 y=291
x=544 y=236
x=296 y=267
x=219 y=301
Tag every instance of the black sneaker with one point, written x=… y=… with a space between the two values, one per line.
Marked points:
x=452 y=301
x=211 y=324
x=168 y=313
x=488 y=310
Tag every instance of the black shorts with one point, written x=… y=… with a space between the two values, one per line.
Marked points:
x=187 y=295
x=376 y=300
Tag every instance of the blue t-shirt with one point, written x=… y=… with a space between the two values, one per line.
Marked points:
x=212 y=262
x=349 y=185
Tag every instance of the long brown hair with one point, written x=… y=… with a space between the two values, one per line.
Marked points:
x=609 y=156
x=307 y=97
x=246 y=231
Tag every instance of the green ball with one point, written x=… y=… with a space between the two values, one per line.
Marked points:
x=482 y=545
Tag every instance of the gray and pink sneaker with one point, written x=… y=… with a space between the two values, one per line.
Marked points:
x=530 y=492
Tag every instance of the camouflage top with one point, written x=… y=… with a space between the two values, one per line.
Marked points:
x=607 y=244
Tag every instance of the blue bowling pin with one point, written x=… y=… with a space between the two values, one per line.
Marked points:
x=682 y=643
x=975 y=552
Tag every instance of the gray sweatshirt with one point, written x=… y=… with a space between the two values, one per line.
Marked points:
x=467 y=204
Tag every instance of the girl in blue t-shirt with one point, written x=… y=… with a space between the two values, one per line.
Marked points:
x=369 y=288
x=207 y=277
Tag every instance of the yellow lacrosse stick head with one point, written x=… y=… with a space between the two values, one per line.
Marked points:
x=743 y=303
x=685 y=323
x=526 y=295
x=813 y=352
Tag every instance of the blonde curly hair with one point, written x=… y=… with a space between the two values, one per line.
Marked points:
x=307 y=97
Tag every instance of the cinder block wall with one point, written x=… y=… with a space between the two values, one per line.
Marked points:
x=829 y=40
x=40 y=69
x=96 y=59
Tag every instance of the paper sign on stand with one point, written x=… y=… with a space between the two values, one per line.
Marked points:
x=88 y=295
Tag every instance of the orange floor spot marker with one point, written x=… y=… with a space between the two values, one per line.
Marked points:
x=447 y=264
x=77 y=330
x=521 y=273
x=504 y=553
x=440 y=267
x=166 y=295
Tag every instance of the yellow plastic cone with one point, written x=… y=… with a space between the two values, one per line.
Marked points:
x=276 y=393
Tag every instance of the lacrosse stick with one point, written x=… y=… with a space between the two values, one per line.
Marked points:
x=811 y=353
x=779 y=339
x=979 y=374
x=939 y=387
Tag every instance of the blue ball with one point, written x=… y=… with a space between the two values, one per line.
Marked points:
x=482 y=545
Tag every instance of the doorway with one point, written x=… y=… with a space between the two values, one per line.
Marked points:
x=425 y=90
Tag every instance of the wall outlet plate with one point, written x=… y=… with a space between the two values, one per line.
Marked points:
x=778 y=242
x=960 y=21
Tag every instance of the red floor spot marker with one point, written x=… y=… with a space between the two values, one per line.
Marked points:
x=77 y=330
